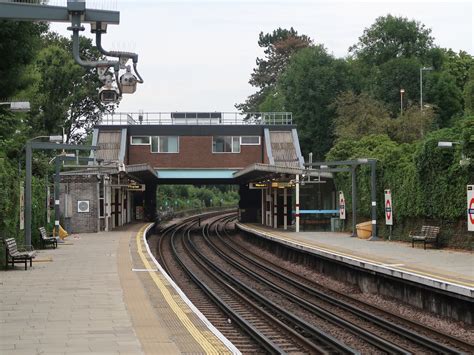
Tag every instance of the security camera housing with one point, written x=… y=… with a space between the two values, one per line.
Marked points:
x=109 y=95
x=128 y=82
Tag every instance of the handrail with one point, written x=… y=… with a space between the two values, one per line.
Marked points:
x=196 y=118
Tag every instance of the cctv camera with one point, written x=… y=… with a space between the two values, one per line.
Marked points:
x=109 y=94
x=128 y=82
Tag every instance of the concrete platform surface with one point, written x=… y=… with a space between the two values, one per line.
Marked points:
x=95 y=295
x=445 y=269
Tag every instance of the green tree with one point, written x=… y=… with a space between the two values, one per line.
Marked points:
x=413 y=125
x=468 y=93
x=19 y=42
x=458 y=65
x=279 y=46
x=394 y=75
x=65 y=95
x=309 y=85
x=393 y=37
x=359 y=115
x=445 y=95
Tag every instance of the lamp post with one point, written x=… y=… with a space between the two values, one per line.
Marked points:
x=402 y=91
x=422 y=69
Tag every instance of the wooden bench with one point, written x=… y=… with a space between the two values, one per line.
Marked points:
x=18 y=255
x=428 y=234
x=46 y=239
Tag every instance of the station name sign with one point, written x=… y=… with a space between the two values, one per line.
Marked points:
x=274 y=184
x=136 y=187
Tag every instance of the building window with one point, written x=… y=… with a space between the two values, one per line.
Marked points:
x=140 y=140
x=225 y=144
x=250 y=140
x=165 y=144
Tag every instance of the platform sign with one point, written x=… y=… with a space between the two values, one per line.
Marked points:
x=470 y=208
x=257 y=185
x=388 y=208
x=342 y=206
x=22 y=206
x=136 y=187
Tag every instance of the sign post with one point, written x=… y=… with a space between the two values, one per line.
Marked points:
x=470 y=208
x=22 y=206
x=388 y=211
x=342 y=208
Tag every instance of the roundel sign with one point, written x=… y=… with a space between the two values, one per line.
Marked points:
x=342 y=206
x=470 y=208
x=388 y=208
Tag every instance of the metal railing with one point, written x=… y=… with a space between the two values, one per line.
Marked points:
x=197 y=118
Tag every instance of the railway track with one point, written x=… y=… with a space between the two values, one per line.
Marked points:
x=263 y=308
x=425 y=336
x=261 y=321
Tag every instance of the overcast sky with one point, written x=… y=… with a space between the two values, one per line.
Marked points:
x=198 y=56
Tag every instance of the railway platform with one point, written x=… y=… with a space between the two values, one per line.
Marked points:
x=446 y=270
x=100 y=293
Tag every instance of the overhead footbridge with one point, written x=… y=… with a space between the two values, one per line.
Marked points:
x=136 y=152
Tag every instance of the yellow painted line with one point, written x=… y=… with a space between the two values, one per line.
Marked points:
x=187 y=323
x=332 y=251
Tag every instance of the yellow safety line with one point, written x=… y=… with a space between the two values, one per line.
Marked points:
x=188 y=324
x=332 y=251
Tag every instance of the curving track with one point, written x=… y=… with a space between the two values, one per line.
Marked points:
x=263 y=308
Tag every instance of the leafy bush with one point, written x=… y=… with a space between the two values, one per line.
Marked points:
x=426 y=181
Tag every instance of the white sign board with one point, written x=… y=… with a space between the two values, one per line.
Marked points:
x=470 y=208
x=342 y=206
x=388 y=208
x=22 y=206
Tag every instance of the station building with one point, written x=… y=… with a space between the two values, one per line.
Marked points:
x=136 y=152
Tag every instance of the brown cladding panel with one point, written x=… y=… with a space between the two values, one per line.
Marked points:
x=196 y=152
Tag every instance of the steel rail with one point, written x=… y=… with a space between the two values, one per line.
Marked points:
x=369 y=337
x=257 y=336
x=417 y=338
x=314 y=333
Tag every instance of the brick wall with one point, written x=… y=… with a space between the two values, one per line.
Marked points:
x=79 y=189
x=196 y=152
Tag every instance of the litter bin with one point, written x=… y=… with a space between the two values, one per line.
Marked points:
x=364 y=230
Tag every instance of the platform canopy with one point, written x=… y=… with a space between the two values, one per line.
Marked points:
x=140 y=172
x=259 y=172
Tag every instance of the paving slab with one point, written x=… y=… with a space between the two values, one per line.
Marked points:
x=87 y=299
x=53 y=306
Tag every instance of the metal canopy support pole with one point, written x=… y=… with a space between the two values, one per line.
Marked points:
x=373 y=194
x=285 y=209
x=270 y=208
x=275 y=208
x=28 y=195
x=262 y=212
x=297 y=204
x=354 y=200
x=268 y=205
x=57 y=180
x=29 y=146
